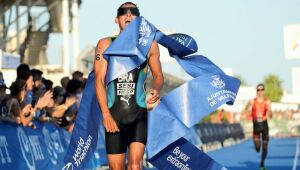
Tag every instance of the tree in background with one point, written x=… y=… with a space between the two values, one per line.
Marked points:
x=273 y=89
x=243 y=82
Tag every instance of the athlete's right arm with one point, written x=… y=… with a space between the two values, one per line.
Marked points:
x=248 y=107
x=100 y=68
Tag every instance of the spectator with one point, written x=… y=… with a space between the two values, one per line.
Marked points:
x=77 y=75
x=61 y=107
x=17 y=95
x=37 y=79
x=27 y=76
x=71 y=105
x=3 y=100
x=48 y=84
x=23 y=68
x=64 y=82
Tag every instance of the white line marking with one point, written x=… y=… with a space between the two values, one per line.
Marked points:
x=296 y=155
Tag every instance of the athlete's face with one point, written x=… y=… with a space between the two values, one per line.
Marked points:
x=260 y=91
x=126 y=17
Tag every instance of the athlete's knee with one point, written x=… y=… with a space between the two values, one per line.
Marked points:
x=265 y=144
x=135 y=165
x=257 y=145
x=257 y=148
x=116 y=166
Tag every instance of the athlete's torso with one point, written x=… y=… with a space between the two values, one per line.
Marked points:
x=126 y=95
x=259 y=110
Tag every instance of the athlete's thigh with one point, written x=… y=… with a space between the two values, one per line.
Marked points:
x=139 y=131
x=256 y=131
x=265 y=132
x=115 y=143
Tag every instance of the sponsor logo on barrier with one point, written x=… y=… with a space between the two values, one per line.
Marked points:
x=5 y=158
x=36 y=147
x=217 y=82
x=53 y=144
x=26 y=149
x=145 y=31
x=69 y=166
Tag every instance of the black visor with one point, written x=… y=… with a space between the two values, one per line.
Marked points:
x=133 y=10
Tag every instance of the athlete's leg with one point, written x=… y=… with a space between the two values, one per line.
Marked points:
x=264 y=153
x=256 y=136
x=265 y=136
x=116 y=149
x=137 y=145
x=256 y=140
x=136 y=153
x=116 y=161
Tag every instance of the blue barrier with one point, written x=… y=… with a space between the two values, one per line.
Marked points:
x=40 y=148
x=221 y=132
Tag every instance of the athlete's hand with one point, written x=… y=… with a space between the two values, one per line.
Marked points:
x=154 y=96
x=110 y=124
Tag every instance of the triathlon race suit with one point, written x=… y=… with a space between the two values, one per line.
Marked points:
x=126 y=101
x=259 y=116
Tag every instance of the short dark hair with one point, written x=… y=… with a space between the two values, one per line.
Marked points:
x=64 y=81
x=58 y=91
x=17 y=86
x=77 y=75
x=36 y=74
x=48 y=83
x=260 y=84
x=127 y=3
x=22 y=67
x=24 y=75
x=73 y=86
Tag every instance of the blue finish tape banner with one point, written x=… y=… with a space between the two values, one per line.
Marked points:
x=178 y=111
x=183 y=155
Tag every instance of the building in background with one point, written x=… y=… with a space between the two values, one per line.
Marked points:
x=25 y=27
x=292 y=41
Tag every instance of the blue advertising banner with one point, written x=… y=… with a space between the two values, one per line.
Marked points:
x=41 y=148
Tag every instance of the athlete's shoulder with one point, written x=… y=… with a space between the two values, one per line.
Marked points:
x=154 y=48
x=103 y=41
x=251 y=101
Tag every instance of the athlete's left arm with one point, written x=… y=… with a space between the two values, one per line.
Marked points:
x=155 y=67
x=269 y=110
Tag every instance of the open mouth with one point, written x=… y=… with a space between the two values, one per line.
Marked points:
x=127 y=22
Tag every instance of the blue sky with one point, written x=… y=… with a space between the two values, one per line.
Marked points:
x=246 y=36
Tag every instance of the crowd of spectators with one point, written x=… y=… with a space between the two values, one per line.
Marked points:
x=33 y=98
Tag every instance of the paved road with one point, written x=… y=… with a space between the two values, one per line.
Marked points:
x=283 y=155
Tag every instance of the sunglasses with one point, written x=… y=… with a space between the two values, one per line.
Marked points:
x=133 y=10
x=260 y=89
